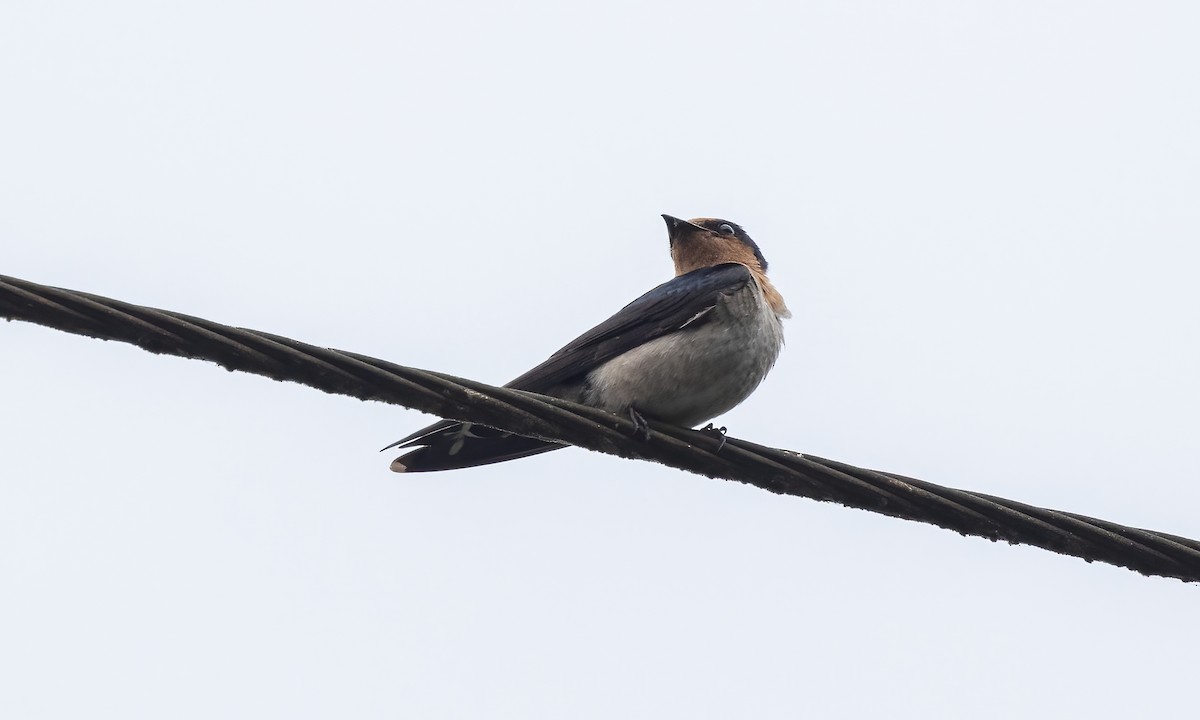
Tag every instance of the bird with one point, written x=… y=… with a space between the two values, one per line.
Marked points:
x=683 y=353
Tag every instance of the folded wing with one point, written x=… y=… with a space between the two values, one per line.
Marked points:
x=679 y=305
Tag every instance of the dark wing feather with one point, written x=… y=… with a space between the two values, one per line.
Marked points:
x=665 y=309
x=680 y=302
x=450 y=444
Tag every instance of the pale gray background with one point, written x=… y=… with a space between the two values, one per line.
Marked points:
x=985 y=217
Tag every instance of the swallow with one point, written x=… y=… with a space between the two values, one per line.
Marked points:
x=683 y=353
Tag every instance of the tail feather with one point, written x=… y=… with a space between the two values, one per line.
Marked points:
x=450 y=445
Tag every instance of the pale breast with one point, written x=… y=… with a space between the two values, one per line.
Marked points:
x=699 y=372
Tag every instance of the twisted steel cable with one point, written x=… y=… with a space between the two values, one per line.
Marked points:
x=780 y=471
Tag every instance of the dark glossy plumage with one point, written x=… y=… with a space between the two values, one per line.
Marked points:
x=665 y=309
x=678 y=305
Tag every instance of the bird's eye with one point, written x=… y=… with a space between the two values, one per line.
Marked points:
x=725 y=229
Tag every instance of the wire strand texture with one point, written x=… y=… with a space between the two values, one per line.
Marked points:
x=779 y=471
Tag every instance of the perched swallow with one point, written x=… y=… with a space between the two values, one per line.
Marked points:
x=683 y=353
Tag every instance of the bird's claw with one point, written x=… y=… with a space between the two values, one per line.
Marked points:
x=719 y=431
x=640 y=426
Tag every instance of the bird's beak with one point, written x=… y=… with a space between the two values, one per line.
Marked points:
x=676 y=227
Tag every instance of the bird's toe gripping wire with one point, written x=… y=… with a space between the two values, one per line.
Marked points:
x=640 y=425
x=718 y=432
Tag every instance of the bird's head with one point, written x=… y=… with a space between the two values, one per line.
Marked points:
x=704 y=242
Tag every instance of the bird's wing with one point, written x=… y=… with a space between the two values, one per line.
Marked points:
x=678 y=303
x=682 y=302
x=449 y=445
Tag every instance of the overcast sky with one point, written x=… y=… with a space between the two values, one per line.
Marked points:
x=984 y=216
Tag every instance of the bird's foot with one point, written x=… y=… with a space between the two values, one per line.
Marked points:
x=640 y=426
x=718 y=431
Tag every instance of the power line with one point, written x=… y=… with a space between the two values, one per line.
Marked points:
x=780 y=471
